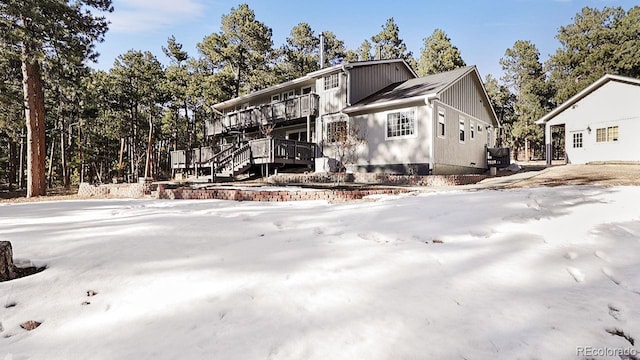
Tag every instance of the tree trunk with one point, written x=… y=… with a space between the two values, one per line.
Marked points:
x=7 y=269
x=50 y=171
x=34 y=114
x=21 y=161
x=149 y=148
x=63 y=160
x=13 y=162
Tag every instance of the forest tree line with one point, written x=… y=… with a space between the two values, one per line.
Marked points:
x=97 y=125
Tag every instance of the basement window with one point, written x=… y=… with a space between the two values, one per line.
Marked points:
x=577 y=140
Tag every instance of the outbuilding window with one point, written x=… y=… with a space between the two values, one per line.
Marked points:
x=607 y=134
x=577 y=140
x=401 y=123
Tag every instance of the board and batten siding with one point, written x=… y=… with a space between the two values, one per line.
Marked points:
x=466 y=95
x=332 y=100
x=450 y=155
x=367 y=80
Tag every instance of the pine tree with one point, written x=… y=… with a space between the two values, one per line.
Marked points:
x=439 y=55
x=524 y=75
x=31 y=29
x=243 y=47
x=596 y=43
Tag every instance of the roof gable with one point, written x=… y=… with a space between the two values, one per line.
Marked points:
x=585 y=92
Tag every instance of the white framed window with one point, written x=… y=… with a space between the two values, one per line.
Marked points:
x=479 y=128
x=336 y=131
x=275 y=98
x=305 y=90
x=288 y=94
x=461 y=127
x=401 y=124
x=472 y=130
x=331 y=81
x=577 y=140
x=441 y=123
x=610 y=133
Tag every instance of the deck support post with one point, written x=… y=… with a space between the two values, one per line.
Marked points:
x=308 y=128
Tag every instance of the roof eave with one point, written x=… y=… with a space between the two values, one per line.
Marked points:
x=385 y=104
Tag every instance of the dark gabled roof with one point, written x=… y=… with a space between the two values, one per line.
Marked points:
x=411 y=90
x=586 y=91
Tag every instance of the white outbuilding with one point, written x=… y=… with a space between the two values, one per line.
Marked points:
x=601 y=122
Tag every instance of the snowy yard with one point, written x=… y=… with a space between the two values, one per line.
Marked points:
x=520 y=274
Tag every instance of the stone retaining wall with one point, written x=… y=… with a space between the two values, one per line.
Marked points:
x=333 y=196
x=136 y=190
x=377 y=178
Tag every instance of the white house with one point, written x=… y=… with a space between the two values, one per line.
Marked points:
x=601 y=122
x=439 y=124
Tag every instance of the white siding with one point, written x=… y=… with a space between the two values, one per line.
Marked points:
x=332 y=100
x=379 y=151
x=613 y=104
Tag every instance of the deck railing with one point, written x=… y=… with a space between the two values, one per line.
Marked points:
x=181 y=159
x=293 y=108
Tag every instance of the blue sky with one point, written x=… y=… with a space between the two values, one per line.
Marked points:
x=482 y=30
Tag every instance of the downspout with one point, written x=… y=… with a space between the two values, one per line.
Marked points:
x=429 y=101
x=348 y=92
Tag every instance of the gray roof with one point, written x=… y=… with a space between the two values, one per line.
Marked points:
x=411 y=90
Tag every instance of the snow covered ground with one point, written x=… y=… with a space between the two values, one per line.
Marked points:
x=545 y=273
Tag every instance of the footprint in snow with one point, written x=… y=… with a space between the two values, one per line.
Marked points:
x=614 y=311
x=571 y=255
x=602 y=256
x=577 y=275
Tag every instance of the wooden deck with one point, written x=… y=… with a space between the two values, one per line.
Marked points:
x=239 y=158
x=297 y=107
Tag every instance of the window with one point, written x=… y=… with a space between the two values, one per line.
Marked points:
x=401 y=124
x=298 y=135
x=607 y=134
x=289 y=94
x=577 y=140
x=472 y=130
x=331 y=81
x=441 y=123
x=612 y=133
x=461 y=127
x=305 y=90
x=479 y=128
x=336 y=131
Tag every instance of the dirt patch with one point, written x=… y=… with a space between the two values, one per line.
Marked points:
x=601 y=174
